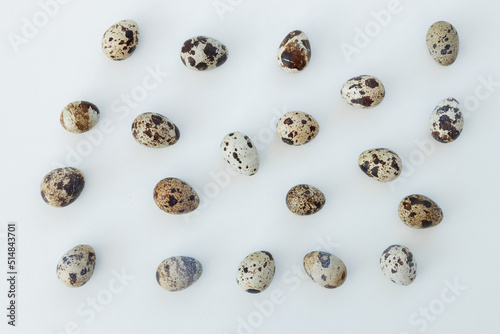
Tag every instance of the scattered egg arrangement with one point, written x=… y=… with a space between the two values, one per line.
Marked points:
x=62 y=186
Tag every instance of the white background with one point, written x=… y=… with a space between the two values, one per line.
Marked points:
x=63 y=62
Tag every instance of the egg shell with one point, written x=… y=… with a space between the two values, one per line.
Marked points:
x=364 y=91
x=154 y=130
x=419 y=211
x=203 y=53
x=178 y=273
x=305 y=199
x=240 y=153
x=446 y=122
x=443 y=43
x=120 y=40
x=175 y=196
x=297 y=128
x=325 y=269
x=380 y=164
x=79 y=116
x=294 y=53
x=398 y=265
x=256 y=272
x=76 y=266
x=62 y=186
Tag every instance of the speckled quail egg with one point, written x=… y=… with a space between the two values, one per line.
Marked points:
x=256 y=272
x=203 y=53
x=305 y=200
x=240 y=153
x=297 y=128
x=398 y=265
x=178 y=273
x=62 y=186
x=446 y=121
x=419 y=211
x=76 y=266
x=380 y=164
x=443 y=43
x=364 y=91
x=294 y=52
x=175 y=196
x=79 y=116
x=120 y=40
x=154 y=130
x=325 y=269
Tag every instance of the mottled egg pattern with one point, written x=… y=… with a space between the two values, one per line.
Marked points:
x=240 y=153
x=178 y=273
x=154 y=130
x=294 y=52
x=175 y=196
x=364 y=91
x=76 y=266
x=380 y=164
x=443 y=43
x=62 y=186
x=419 y=211
x=203 y=53
x=256 y=272
x=297 y=128
x=79 y=116
x=120 y=40
x=305 y=200
x=398 y=265
x=446 y=121
x=325 y=269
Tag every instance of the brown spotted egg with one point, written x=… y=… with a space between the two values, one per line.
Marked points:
x=294 y=52
x=240 y=153
x=178 y=273
x=380 y=164
x=364 y=91
x=325 y=269
x=62 y=186
x=443 y=43
x=76 y=266
x=79 y=116
x=419 y=211
x=175 y=196
x=154 y=130
x=256 y=272
x=297 y=128
x=203 y=53
x=120 y=40
x=398 y=265
x=305 y=200
x=447 y=121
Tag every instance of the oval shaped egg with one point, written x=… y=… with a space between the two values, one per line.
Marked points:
x=203 y=53
x=154 y=130
x=79 y=116
x=294 y=52
x=256 y=272
x=364 y=91
x=175 y=196
x=380 y=164
x=325 y=269
x=443 y=43
x=62 y=186
x=120 y=40
x=178 y=273
x=398 y=265
x=446 y=121
x=76 y=266
x=297 y=128
x=240 y=153
x=305 y=200
x=419 y=211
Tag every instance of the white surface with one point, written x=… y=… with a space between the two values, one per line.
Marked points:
x=116 y=214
